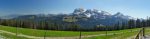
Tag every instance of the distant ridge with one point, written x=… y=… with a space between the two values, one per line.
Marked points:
x=86 y=18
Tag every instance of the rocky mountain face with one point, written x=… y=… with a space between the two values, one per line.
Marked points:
x=95 y=17
x=96 y=14
x=86 y=18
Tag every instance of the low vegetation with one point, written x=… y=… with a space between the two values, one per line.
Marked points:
x=51 y=33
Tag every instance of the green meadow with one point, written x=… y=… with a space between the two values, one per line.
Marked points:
x=118 y=34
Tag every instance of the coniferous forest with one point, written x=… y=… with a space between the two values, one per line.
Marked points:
x=72 y=26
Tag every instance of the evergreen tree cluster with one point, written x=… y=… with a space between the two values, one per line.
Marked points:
x=126 y=25
x=72 y=26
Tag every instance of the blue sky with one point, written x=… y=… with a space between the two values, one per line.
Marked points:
x=135 y=8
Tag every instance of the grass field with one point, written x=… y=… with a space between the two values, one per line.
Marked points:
x=8 y=36
x=50 y=33
x=119 y=34
x=147 y=30
x=124 y=35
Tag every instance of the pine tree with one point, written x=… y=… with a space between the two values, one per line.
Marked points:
x=131 y=23
x=138 y=23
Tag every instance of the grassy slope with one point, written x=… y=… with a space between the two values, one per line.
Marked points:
x=147 y=30
x=122 y=36
x=8 y=36
x=126 y=33
x=117 y=36
x=51 y=33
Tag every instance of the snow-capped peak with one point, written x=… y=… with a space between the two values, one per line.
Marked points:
x=94 y=13
x=91 y=12
x=88 y=11
x=78 y=10
x=105 y=13
x=118 y=14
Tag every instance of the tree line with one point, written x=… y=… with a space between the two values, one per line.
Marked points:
x=130 y=24
x=41 y=25
x=71 y=26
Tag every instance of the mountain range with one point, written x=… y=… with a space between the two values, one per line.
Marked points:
x=86 y=18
